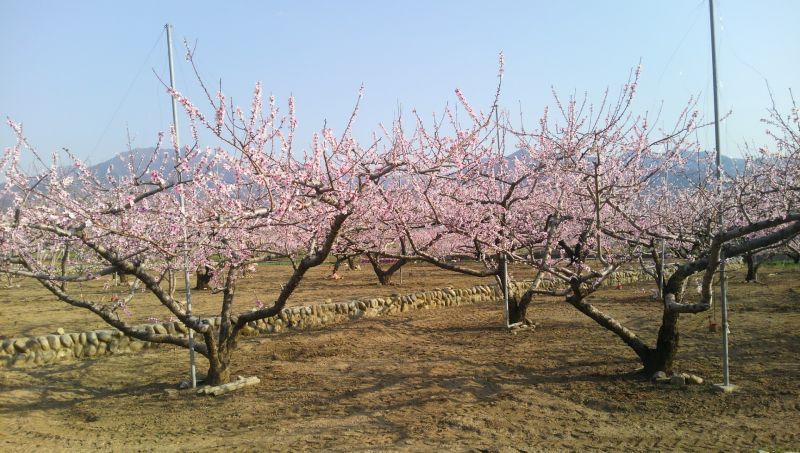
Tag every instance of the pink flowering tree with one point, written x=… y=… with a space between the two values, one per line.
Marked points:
x=703 y=223
x=467 y=206
x=551 y=205
x=255 y=196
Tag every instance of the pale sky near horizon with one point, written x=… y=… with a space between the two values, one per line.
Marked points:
x=77 y=74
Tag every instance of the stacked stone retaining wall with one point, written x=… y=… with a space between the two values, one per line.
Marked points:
x=45 y=349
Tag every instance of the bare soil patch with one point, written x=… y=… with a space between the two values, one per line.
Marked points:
x=448 y=379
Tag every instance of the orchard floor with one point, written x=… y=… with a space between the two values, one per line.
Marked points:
x=439 y=380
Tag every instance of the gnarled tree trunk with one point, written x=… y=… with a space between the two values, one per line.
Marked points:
x=518 y=308
x=203 y=276
x=753 y=263
x=219 y=362
x=661 y=358
x=385 y=276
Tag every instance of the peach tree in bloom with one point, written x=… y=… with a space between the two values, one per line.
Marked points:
x=253 y=196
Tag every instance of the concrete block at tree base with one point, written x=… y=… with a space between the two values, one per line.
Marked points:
x=677 y=380
x=730 y=388
x=229 y=387
x=660 y=377
x=693 y=379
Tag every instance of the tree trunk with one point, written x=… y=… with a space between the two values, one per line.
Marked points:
x=752 y=267
x=518 y=308
x=218 y=373
x=203 y=278
x=662 y=357
x=172 y=284
x=385 y=276
x=219 y=358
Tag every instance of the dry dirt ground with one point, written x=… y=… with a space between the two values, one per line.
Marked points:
x=29 y=310
x=439 y=380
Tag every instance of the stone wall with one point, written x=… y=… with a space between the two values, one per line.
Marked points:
x=33 y=351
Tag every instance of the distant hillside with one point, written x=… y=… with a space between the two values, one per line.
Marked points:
x=139 y=158
x=117 y=166
x=695 y=166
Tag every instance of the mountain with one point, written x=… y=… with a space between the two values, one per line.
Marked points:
x=694 y=169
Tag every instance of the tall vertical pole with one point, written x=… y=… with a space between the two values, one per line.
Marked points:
x=182 y=201
x=716 y=95
x=504 y=279
x=663 y=267
x=723 y=289
x=726 y=386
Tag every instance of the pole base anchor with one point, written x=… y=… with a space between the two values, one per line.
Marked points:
x=730 y=388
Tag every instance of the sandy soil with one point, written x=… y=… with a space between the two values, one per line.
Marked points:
x=448 y=379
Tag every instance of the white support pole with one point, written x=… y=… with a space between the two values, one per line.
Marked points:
x=182 y=201
x=726 y=386
x=663 y=266
x=723 y=296
x=504 y=268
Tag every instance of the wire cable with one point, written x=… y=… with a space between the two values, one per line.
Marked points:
x=125 y=96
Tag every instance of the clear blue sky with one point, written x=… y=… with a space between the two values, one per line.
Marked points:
x=69 y=69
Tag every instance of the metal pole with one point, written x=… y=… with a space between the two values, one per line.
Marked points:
x=182 y=201
x=723 y=289
x=716 y=95
x=726 y=386
x=504 y=264
x=661 y=271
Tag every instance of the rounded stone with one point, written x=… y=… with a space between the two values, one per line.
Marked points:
x=21 y=345
x=48 y=356
x=43 y=343
x=54 y=341
x=91 y=338
x=66 y=340
x=180 y=327
x=136 y=346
